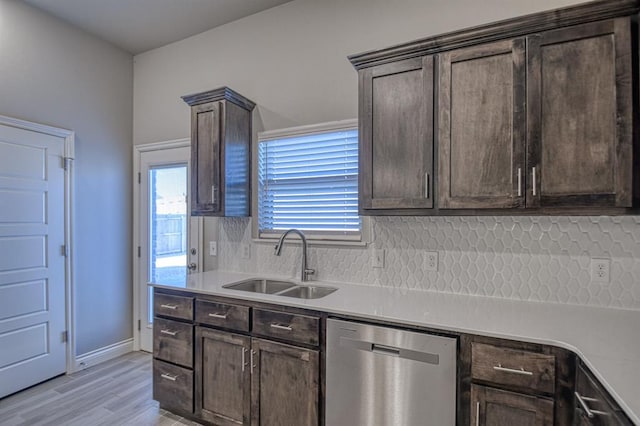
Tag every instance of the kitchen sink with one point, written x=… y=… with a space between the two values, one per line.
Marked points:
x=261 y=286
x=308 y=292
x=281 y=288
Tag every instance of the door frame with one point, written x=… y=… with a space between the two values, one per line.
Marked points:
x=69 y=266
x=137 y=242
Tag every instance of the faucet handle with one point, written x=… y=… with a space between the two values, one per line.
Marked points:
x=308 y=272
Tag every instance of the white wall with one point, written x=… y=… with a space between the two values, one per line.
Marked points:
x=291 y=60
x=54 y=74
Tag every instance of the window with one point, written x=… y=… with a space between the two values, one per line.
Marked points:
x=308 y=179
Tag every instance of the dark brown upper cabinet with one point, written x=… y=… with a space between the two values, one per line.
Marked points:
x=220 y=153
x=482 y=126
x=396 y=135
x=579 y=113
x=532 y=115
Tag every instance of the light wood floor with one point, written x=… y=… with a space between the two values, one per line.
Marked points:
x=117 y=392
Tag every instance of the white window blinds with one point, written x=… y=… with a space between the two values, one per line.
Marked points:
x=309 y=182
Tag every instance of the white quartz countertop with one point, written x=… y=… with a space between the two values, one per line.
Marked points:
x=607 y=340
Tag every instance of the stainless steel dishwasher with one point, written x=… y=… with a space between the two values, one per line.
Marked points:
x=378 y=376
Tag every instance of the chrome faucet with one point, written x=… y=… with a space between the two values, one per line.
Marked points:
x=304 y=275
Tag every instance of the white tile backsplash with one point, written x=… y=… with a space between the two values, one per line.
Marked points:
x=536 y=258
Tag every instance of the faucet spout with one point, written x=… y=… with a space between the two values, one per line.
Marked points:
x=305 y=271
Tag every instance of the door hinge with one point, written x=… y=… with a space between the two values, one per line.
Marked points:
x=139 y=177
x=64 y=250
x=139 y=325
x=139 y=252
x=64 y=336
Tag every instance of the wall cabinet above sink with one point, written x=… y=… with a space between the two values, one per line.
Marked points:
x=532 y=115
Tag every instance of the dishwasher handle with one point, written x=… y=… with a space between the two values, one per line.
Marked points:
x=385 y=350
x=376 y=348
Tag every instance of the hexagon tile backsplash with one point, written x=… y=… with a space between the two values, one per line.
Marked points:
x=536 y=258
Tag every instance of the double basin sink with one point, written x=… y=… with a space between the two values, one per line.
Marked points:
x=281 y=288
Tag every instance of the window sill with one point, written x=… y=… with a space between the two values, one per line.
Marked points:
x=313 y=242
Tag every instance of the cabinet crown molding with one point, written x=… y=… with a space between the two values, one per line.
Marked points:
x=508 y=28
x=219 y=94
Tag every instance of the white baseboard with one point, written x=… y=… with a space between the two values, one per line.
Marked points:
x=103 y=354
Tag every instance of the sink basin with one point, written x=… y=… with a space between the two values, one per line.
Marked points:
x=260 y=286
x=308 y=292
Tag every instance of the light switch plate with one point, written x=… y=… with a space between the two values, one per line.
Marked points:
x=377 y=259
x=213 y=248
x=245 y=251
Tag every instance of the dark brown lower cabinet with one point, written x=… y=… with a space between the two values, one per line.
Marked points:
x=494 y=407
x=223 y=380
x=594 y=407
x=284 y=385
x=242 y=380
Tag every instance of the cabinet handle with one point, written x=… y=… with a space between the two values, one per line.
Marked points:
x=584 y=406
x=426 y=185
x=281 y=327
x=213 y=194
x=221 y=316
x=522 y=371
x=172 y=307
x=169 y=377
x=519 y=182
x=169 y=332
x=253 y=365
x=244 y=364
x=533 y=173
x=477 y=413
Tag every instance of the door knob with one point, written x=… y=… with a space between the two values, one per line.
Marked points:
x=192 y=266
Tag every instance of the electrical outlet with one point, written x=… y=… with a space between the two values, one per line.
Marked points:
x=245 y=251
x=600 y=270
x=377 y=260
x=213 y=248
x=431 y=260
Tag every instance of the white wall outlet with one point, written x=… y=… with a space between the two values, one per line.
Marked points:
x=600 y=270
x=213 y=248
x=245 y=251
x=377 y=261
x=431 y=261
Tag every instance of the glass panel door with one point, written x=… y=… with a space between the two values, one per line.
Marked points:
x=167 y=250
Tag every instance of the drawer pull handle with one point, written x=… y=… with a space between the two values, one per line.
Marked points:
x=221 y=316
x=169 y=332
x=172 y=307
x=281 y=327
x=581 y=400
x=522 y=371
x=168 y=377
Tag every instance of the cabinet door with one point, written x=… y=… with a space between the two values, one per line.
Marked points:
x=223 y=380
x=396 y=135
x=603 y=411
x=284 y=385
x=206 y=122
x=482 y=128
x=580 y=116
x=493 y=407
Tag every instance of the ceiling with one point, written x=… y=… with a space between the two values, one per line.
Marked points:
x=140 y=25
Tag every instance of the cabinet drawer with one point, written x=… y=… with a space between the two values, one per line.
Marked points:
x=173 y=386
x=173 y=341
x=513 y=367
x=173 y=306
x=224 y=315
x=604 y=411
x=282 y=325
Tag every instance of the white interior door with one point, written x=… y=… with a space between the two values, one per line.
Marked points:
x=32 y=262
x=170 y=238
